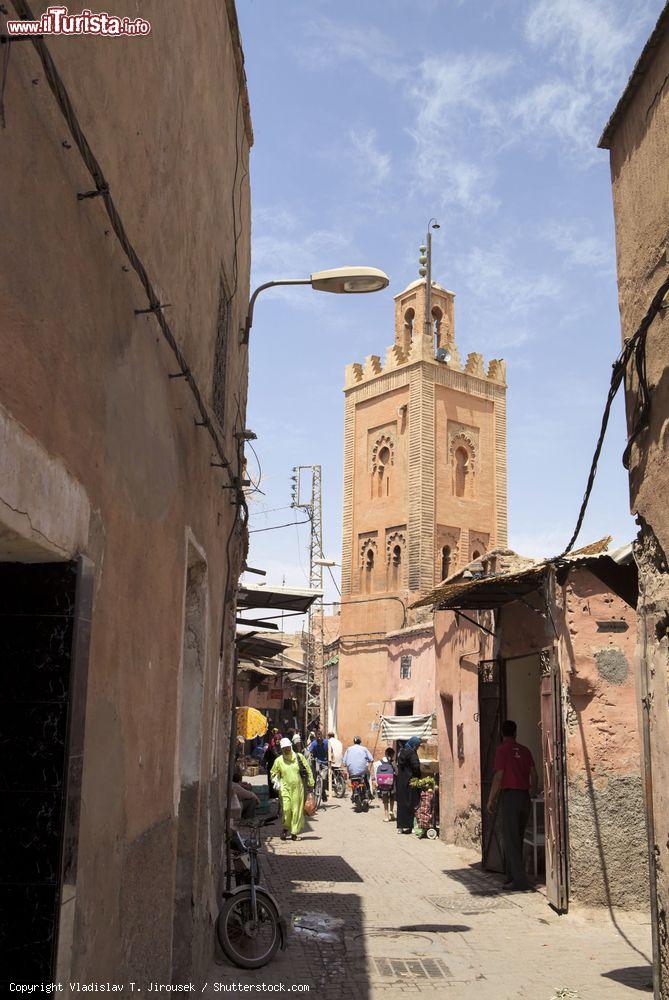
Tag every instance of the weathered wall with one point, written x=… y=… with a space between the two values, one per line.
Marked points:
x=87 y=380
x=639 y=144
x=607 y=841
x=458 y=651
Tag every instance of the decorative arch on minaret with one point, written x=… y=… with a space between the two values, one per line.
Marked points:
x=382 y=461
x=396 y=543
x=463 y=444
x=368 y=559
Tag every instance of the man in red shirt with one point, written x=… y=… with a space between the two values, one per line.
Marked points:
x=516 y=778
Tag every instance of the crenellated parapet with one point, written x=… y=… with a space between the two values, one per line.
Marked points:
x=416 y=341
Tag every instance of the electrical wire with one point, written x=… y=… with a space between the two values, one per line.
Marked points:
x=275 y=527
x=635 y=347
x=156 y=308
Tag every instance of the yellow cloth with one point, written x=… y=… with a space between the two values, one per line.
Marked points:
x=250 y=723
x=292 y=790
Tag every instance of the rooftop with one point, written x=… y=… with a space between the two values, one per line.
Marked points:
x=638 y=73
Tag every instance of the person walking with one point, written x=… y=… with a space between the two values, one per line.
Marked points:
x=408 y=767
x=516 y=779
x=271 y=754
x=292 y=773
x=384 y=779
x=336 y=750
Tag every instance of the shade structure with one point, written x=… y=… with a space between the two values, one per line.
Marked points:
x=403 y=727
x=250 y=723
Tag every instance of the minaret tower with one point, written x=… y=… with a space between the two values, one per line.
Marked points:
x=425 y=488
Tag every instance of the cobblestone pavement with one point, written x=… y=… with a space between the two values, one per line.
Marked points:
x=417 y=916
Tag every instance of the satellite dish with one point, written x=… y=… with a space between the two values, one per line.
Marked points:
x=443 y=355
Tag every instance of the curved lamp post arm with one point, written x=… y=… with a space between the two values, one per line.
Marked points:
x=246 y=330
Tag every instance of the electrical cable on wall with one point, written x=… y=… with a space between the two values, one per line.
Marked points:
x=635 y=347
x=155 y=307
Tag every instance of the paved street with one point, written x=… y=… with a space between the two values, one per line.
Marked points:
x=407 y=916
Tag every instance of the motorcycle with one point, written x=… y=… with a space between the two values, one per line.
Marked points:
x=359 y=794
x=338 y=783
x=250 y=928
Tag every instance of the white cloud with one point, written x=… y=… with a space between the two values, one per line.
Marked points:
x=372 y=162
x=333 y=42
x=455 y=103
x=590 y=44
x=500 y=285
x=580 y=249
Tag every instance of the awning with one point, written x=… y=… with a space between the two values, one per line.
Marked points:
x=258 y=647
x=253 y=668
x=403 y=727
x=257 y=596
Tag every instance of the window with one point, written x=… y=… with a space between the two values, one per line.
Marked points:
x=405 y=668
x=437 y=317
x=407 y=335
x=445 y=562
x=476 y=555
x=368 y=571
x=382 y=472
x=461 y=471
x=404 y=707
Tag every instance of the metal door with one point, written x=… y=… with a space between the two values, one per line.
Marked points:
x=492 y=708
x=37 y=614
x=555 y=811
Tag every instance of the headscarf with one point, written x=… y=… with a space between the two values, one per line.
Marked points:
x=285 y=744
x=412 y=743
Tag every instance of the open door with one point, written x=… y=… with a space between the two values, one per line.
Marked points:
x=555 y=798
x=492 y=709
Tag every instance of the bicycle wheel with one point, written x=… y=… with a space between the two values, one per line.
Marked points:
x=249 y=944
x=338 y=785
x=318 y=790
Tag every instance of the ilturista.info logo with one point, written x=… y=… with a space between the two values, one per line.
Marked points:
x=57 y=20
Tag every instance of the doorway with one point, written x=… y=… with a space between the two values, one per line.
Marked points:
x=492 y=712
x=523 y=705
x=44 y=632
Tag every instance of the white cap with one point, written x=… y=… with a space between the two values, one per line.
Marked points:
x=285 y=742
x=297 y=738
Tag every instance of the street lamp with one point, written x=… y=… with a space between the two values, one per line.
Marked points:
x=340 y=280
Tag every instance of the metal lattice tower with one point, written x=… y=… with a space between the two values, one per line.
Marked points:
x=314 y=508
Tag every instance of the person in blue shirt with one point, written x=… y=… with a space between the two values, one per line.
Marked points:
x=318 y=748
x=357 y=760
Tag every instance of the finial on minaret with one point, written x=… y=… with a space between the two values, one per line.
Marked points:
x=425 y=271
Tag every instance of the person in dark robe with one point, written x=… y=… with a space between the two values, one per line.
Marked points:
x=271 y=754
x=407 y=798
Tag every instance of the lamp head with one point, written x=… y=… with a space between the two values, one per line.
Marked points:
x=350 y=280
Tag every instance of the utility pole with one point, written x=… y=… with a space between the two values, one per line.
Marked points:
x=314 y=508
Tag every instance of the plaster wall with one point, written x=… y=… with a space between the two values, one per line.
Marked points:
x=639 y=151
x=458 y=651
x=85 y=382
x=607 y=838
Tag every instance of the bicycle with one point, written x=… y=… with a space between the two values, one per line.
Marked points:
x=249 y=927
x=338 y=783
x=320 y=781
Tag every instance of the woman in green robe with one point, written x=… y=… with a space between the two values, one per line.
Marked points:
x=286 y=769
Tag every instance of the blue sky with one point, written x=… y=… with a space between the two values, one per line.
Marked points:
x=371 y=118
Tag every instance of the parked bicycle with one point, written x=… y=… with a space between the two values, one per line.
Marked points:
x=250 y=928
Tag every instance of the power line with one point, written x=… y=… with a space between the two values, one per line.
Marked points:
x=275 y=527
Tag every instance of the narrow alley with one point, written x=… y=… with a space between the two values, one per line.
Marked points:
x=402 y=915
